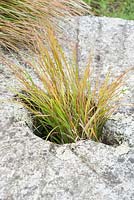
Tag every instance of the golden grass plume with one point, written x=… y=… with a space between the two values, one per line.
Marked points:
x=65 y=106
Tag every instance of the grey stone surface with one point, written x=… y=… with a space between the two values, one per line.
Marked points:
x=119 y=128
x=32 y=169
x=110 y=42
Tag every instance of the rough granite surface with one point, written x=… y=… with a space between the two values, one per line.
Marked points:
x=32 y=169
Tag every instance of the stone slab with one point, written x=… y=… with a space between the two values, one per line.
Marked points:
x=32 y=169
x=110 y=43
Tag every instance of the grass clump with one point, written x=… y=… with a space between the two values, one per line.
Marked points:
x=112 y=8
x=65 y=107
x=18 y=17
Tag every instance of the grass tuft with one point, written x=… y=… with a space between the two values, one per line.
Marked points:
x=18 y=18
x=65 y=106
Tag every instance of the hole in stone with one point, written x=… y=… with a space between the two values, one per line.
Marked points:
x=39 y=130
x=112 y=140
x=43 y=130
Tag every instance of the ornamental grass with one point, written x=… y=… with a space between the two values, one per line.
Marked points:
x=18 y=16
x=65 y=106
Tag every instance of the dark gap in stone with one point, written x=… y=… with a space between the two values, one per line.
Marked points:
x=111 y=140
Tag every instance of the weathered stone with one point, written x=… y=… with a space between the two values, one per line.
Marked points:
x=111 y=43
x=31 y=168
x=120 y=127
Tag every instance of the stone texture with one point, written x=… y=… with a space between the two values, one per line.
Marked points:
x=111 y=44
x=109 y=40
x=32 y=169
